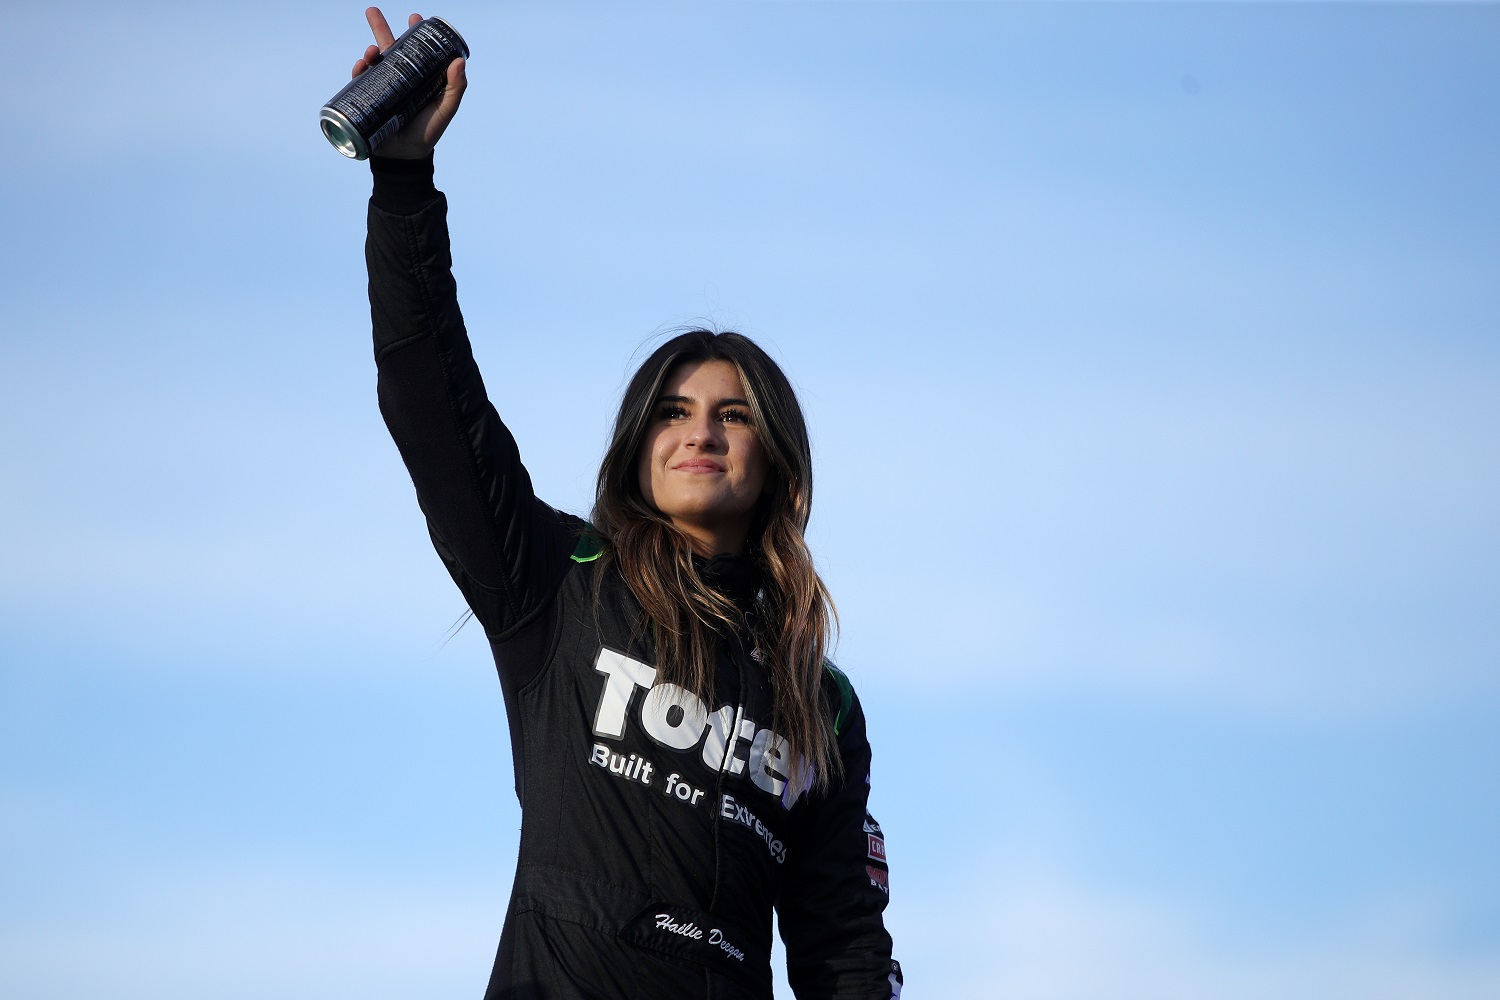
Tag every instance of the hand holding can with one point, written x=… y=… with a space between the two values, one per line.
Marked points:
x=404 y=93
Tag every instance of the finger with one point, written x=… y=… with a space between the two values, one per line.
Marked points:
x=382 y=31
x=414 y=20
x=364 y=62
x=437 y=117
x=457 y=83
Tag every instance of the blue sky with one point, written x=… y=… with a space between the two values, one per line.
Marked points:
x=1153 y=363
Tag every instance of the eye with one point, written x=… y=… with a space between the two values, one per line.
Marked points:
x=733 y=415
x=671 y=411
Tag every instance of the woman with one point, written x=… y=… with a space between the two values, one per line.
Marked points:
x=685 y=757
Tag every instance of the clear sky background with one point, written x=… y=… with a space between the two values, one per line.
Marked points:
x=1152 y=354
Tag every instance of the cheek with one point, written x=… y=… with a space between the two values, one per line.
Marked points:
x=756 y=468
x=645 y=464
x=643 y=472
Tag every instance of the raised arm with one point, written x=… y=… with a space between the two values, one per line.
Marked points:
x=504 y=547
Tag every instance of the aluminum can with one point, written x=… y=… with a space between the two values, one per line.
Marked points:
x=408 y=76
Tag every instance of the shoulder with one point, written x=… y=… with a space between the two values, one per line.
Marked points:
x=590 y=572
x=588 y=544
x=841 y=699
x=842 y=702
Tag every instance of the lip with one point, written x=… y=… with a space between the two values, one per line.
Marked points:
x=698 y=466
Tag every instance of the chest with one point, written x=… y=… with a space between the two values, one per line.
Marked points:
x=713 y=748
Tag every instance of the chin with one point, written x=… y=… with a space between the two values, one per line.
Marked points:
x=697 y=513
x=705 y=512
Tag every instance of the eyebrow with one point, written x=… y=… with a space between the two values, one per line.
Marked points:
x=730 y=401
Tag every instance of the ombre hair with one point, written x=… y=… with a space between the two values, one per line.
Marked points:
x=794 y=621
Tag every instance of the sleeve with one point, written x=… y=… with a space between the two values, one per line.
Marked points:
x=505 y=549
x=837 y=886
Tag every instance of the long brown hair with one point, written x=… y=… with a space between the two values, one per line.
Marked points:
x=795 y=620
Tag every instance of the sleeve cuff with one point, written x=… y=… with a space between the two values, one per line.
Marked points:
x=402 y=187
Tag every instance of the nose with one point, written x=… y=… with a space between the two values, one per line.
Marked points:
x=705 y=433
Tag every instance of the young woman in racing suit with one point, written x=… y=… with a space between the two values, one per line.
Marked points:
x=686 y=759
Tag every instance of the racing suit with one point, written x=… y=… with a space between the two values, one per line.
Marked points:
x=659 y=829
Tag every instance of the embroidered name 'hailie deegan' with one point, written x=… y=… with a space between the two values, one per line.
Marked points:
x=693 y=932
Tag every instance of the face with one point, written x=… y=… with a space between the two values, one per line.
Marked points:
x=701 y=464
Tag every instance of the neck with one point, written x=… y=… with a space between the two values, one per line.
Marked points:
x=707 y=541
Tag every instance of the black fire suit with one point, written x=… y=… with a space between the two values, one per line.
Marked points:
x=658 y=830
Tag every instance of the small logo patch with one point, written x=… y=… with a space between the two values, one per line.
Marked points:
x=878 y=878
x=877 y=847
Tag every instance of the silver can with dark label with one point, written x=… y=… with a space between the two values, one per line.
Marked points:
x=408 y=76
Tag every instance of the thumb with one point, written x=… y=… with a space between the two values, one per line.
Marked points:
x=453 y=92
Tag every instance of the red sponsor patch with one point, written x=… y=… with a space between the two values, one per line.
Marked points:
x=877 y=847
x=877 y=877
